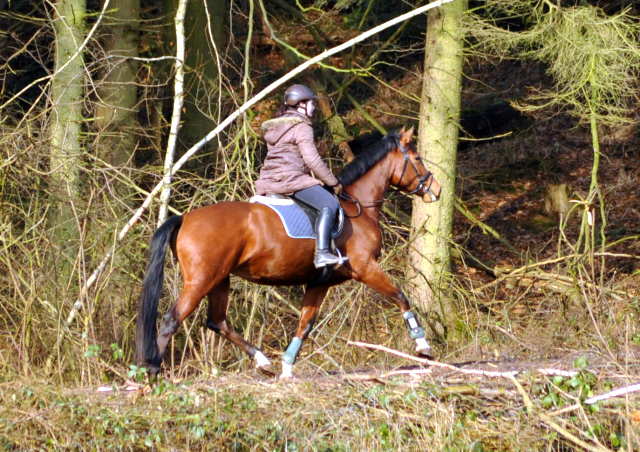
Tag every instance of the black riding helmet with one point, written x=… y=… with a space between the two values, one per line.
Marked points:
x=298 y=93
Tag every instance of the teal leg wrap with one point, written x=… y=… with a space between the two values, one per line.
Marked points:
x=291 y=354
x=415 y=329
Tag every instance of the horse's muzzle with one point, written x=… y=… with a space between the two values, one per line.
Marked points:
x=429 y=197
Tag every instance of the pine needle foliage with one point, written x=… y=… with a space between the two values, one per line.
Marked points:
x=593 y=58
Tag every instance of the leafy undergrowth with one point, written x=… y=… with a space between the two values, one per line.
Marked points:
x=411 y=408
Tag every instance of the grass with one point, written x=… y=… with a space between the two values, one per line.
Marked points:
x=321 y=412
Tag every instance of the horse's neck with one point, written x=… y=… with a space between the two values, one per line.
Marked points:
x=371 y=187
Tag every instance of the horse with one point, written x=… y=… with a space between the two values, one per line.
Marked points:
x=248 y=240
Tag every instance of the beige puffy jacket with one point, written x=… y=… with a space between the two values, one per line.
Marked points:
x=291 y=157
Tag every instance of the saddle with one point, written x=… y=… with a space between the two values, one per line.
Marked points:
x=298 y=218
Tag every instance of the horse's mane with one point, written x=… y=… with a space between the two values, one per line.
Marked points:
x=365 y=161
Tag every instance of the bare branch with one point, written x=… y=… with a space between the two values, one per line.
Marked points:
x=616 y=393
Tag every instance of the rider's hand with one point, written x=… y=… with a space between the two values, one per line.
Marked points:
x=337 y=189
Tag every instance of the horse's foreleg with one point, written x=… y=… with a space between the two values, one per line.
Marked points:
x=373 y=276
x=217 y=321
x=313 y=298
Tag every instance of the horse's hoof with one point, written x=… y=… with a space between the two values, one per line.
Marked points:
x=424 y=349
x=263 y=365
x=287 y=371
x=154 y=371
x=426 y=353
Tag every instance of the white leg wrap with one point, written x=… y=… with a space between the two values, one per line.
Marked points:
x=287 y=370
x=422 y=344
x=261 y=360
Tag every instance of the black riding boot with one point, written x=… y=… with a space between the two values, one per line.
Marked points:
x=323 y=256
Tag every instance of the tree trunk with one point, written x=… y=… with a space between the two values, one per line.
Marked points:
x=116 y=122
x=438 y=144
x=118 y=93
x=66 y=118
x=556 y=201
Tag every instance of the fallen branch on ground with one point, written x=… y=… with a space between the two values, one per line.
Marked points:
x=550 y=372
x=616 y=393
x=462 y=208
x=446 y=391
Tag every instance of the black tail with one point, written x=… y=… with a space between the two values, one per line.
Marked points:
x=147 y=331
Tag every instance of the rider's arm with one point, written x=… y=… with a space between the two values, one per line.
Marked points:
x=311 y=157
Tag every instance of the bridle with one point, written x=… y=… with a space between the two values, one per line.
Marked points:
x=407 y=161
x=421 y=180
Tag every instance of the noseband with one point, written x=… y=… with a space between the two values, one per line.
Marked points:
x=421 y=180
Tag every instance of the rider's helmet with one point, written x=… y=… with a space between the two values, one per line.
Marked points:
x=298 y=93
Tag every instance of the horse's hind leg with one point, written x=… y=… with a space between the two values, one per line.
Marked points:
x=217 y=321
x=189 y=298
x=313 y=298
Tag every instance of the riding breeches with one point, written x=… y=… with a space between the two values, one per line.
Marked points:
x=318 y=198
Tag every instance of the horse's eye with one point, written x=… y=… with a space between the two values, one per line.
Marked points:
x=418 y=159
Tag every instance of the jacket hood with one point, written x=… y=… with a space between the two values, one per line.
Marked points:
x=275 y=128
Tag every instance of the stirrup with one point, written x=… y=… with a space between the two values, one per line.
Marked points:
x=323 y=258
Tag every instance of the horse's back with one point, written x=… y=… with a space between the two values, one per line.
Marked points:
x=224 y=223
x=246 y=239
x=219 y=212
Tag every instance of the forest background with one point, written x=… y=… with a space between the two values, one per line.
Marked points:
x=526 y=272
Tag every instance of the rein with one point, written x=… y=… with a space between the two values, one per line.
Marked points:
x=407 y=161
x=347 y=197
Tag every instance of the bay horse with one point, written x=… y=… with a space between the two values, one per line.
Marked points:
x=248 y=240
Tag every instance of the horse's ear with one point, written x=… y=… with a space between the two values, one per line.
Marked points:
x=401 y=131
x=406 y=137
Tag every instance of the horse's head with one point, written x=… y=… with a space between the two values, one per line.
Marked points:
x=410 y=174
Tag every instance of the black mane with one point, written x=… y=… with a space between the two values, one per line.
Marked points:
x=365 y=161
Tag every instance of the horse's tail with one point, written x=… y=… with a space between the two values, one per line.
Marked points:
x=147 y=331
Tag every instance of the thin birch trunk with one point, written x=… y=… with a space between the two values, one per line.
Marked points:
x=178 y=101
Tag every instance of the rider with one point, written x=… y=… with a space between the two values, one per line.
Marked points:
x=291 y=156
